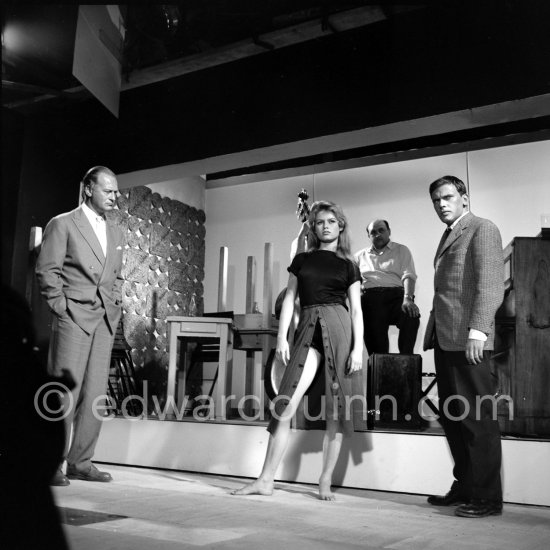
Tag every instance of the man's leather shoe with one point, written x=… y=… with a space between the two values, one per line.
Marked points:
x=59 y=479
x=479 y=508
x=452 y=498
x=91 y=474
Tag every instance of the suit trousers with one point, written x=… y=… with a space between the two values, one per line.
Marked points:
x=87 y=357
x=469 y=417
x=381 y=308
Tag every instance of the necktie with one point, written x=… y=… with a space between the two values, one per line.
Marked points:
x=444 y=237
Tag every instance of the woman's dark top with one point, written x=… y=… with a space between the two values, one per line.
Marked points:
x=323 y=282
x=323 y=277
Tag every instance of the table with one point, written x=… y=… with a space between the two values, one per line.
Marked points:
x=203 y=327
x=254 y=341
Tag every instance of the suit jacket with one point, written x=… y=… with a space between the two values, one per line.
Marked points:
x=73 y=274
x=468 y=284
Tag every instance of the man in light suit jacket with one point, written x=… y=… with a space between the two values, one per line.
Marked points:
x=78 y=271
x=469 y=288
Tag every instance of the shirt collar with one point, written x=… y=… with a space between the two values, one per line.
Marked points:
x=90 y=214
x=373 y=250
x=455 y=223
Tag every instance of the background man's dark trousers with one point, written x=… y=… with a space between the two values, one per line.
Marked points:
x=382 y=308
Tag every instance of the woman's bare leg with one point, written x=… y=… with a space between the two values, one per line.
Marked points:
x=332 y=442
x=278 y=441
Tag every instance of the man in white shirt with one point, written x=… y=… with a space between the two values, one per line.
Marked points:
x=78 y=272
x=389 y=278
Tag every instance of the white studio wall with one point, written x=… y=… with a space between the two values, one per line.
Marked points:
x=509 y=185
x=244 y=218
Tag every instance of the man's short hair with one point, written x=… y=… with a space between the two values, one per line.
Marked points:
x=387 y=225
x=91 y=175
x=452 y=180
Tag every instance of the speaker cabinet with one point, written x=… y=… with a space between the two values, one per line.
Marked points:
x=394 y=389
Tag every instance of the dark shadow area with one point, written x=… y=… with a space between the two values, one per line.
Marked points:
x=32 y=433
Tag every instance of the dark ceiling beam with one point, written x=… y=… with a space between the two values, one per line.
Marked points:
x=281 y=38
x=472 y=139
x=288 y=36
x=17 y=67
x=254 y=161
x=78 y=92
x=32 y=89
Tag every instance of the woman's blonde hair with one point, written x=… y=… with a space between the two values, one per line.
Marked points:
x=344 y=242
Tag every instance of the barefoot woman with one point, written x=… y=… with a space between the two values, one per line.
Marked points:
x=328 y=336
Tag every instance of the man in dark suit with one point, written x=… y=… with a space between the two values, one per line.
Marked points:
x=469 y=288
x=78 y=272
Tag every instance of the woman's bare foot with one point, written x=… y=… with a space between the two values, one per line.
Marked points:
x=258 y=487
x=325 y=492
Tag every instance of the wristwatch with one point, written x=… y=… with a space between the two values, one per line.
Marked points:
x=409 y=296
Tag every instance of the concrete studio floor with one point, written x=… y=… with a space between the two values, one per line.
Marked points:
x=144 y=509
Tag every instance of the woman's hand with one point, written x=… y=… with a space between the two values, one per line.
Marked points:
x=283 y=352
x=355 y=362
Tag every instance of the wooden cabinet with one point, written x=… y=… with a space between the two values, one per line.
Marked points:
x=522 y=351
x=394 y=388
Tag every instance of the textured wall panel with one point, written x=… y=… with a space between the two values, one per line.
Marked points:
x=134 y=331
x=179 y=222
x=123 y=201
x=163 y=272
x=157 y=305
x=156 y=200
x=140 y=202
x=120 y=217
x=176 y=278
x=160 y=241
x=164 y=264
x=136 y=267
